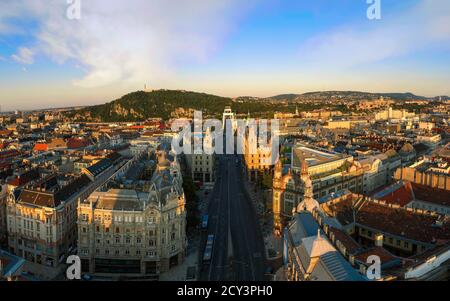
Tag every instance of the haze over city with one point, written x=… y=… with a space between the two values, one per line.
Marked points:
x=228 y=48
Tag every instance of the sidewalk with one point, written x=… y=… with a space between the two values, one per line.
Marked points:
x=179 y=273
x=273 y=245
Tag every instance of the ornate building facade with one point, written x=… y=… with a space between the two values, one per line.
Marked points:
x=327 y=174
x=135 y=233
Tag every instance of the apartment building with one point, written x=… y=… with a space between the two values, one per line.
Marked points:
x=41 y=220
x=132 y=233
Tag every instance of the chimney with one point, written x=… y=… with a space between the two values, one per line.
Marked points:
x=351 y=258
x=379 y=240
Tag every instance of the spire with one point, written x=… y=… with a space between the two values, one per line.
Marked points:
x=278 y=168
x=304 y=167
x=318 y=234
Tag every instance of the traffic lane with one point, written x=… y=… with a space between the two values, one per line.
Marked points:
x=213 y=204
x=253 y=253
x=219 y=256
x=257 y=243
x=242 y=260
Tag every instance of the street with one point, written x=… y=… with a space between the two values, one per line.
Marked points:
x=238 y=252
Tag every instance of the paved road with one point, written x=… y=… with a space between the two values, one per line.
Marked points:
x=238 y=252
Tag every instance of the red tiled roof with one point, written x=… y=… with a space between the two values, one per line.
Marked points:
x=9 y=154
x=431 y=195
x=137 y=127
x=394 y=221
x=40 y=147
x=350 y=244
x=402 y=196
x=75 y=143
x=385 y=256
x=25 y=178
x=5 y=132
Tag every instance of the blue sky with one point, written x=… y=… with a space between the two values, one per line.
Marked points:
x=231 y=48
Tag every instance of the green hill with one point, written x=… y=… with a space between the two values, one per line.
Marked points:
x=140 y=105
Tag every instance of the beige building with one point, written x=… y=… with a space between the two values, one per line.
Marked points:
x=201 y=167
x=3 y=196
x=426 y=173
x=41 y=220
x=430 y=140
x=329 y=173
x=257 y=160
x=394 y=114
x=135 y=233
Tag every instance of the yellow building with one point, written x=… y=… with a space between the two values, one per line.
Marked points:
x=258 y=160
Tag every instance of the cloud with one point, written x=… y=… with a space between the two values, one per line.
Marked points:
x=24 y=56
x=128 y=42
x=422 y=27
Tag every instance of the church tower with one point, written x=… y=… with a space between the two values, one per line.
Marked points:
x=308 y=203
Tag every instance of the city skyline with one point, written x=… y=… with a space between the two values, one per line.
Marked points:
x=229 y=49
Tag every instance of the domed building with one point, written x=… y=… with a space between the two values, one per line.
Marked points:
x=407 y=153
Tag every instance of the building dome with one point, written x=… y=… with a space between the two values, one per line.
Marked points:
x=407 y=148
x=320 y=246
x=308 y=204
x=391 y=153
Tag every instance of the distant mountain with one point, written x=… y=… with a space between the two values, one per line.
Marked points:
x=352 y=95
x=166 y=104
x=285 y=97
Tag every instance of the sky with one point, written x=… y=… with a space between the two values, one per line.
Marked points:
x=225 y=47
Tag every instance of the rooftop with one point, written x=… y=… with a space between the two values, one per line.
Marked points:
x=10 y=263
x=314 y=156
x=395 y=221
x=119 y=200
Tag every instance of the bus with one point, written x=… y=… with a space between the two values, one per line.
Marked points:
x=205 y=222
x=208 y=249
